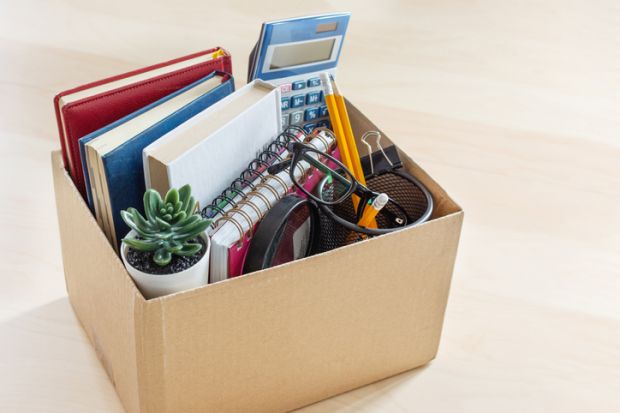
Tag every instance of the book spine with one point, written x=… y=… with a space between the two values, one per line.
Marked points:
x=158 y=175
x=123 y=166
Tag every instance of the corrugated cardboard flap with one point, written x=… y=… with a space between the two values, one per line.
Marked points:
x=101 y=292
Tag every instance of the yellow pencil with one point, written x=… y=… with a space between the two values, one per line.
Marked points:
x=348 y=133
x=368 y=217
x=334 y=118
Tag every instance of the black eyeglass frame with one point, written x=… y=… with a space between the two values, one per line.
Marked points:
x=299 y=152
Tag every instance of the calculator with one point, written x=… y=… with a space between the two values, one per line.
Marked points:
x=291 y=53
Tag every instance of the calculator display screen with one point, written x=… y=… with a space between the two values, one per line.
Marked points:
x=302 y=53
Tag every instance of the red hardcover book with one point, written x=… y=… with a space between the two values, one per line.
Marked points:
x=87 y=108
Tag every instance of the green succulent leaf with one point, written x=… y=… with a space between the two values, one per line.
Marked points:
x=172 y=196
x=191 y=231
x=189 y=249
x=129 y=220
x=190 y=206
x=152 y=203
x=174 y=247
x=187 y=221
x=141 y=222
x=141 y=245
x=184 y=194
x=168 y=225
x=126 y=215
x=194 y=227
x=162 y=257
x=163 y=225
x=178 y=217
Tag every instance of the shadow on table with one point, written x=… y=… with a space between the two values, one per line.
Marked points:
x=364 y=399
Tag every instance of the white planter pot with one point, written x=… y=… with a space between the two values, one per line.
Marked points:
x=156 y=285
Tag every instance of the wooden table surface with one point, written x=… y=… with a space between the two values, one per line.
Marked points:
x=514 y=107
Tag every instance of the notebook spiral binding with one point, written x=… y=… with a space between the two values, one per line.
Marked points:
x=257 y=168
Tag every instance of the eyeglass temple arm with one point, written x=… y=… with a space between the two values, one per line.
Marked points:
x=360 y=189
x=279 y=167
x=326 y=170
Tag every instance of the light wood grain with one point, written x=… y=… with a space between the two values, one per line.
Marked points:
x=513 y=106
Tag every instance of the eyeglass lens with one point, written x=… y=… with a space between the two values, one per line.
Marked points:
x=338 y=183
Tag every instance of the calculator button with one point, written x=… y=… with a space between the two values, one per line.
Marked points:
x=323 y=124
x=322 y=111
x=311 y=114
x=300 y=84
x=297 y=117
x=314 y=82
x=286 y=103
x=312 y=98
x=309 y=127
x=285 y=119
x=297 y=101
x=322 y=97
x=285 y=88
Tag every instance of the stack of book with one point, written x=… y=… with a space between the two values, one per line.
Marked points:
x=175 y=123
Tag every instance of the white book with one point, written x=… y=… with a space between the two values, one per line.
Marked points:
x=214 y=147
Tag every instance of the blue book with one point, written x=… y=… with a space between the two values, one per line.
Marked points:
x=112 y=156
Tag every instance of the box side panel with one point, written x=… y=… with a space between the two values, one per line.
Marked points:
x=151 y=355
x=298 y=333
x=100 y=291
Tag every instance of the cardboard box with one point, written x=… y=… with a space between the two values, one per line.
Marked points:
x=272 y=341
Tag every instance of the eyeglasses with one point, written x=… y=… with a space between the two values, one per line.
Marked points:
x=338 y=184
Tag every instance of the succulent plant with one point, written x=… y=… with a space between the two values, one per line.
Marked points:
x=168 y=227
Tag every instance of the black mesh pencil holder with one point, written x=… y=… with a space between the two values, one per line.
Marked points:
x=414 y=199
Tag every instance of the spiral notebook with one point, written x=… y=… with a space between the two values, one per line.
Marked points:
x=250 y=177
x=234 y=222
